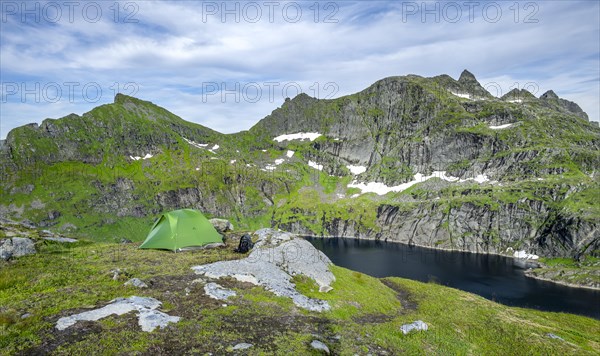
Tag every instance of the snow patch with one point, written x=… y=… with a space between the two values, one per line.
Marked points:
x=289 y=154
x=515 y=101
x=501 y=127
x=461 y=95
x=315 y=165
x=356 y=170
x=232 y=161
x=525 y=255
x=298 y=136
x=137 y=158
x=279 y=161
x=196 y=144
x=382 y=189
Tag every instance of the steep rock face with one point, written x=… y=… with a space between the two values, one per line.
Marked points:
x=526 y=225
x=400 y=126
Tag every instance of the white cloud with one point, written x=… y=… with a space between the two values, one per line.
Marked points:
x=171 y=52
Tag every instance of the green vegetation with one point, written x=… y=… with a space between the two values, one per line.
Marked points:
x=366 y=312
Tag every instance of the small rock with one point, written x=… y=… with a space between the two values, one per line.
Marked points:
x=136 y=282
x=325 y=289
x=318 y=345
x=417 y=325
x=221 y=225
x=242 y=346
x=116 y=273
x=125 y=241
x=26 y=315
x=215 y=291
x=554 y=336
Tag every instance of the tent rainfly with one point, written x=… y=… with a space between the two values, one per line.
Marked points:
x=179 y=229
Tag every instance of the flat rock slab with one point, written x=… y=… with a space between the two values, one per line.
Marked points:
x=60 y=239
x=215 y=291
x=242 y=346
x=417 y=325
x=149 y=318
x=276 y=257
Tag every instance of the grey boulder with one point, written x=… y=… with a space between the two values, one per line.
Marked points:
x=221 y=225
x=136 y=282
x=16 y=247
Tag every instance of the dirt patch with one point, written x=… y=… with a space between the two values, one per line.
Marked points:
x=406 y=299
x=53 y=338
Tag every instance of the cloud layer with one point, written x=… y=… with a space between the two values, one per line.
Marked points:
x=63 y=57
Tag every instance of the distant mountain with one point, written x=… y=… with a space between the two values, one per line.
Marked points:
x=430 y=161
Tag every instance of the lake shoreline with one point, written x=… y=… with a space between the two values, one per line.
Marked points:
x=530 y=274
x=528 y=271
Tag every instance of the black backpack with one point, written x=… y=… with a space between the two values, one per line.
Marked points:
x=245 y=244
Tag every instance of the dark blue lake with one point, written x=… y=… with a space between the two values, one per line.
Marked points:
x=493 y=277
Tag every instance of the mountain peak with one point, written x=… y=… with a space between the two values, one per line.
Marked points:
x=467 y=77
x=126 y=99
x=550 y=99
x=468 y=83
x=550 y=94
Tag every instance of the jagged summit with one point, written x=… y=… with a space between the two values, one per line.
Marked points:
x=467 y=77
x=549 y=95
x=467 y=84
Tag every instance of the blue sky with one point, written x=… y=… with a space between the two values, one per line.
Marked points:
x=61 y=57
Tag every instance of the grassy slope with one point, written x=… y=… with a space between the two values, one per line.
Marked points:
x=366 y=315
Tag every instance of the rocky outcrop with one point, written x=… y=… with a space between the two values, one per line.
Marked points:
x=275 y=258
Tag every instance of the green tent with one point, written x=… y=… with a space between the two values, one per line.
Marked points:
x=181 y=228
